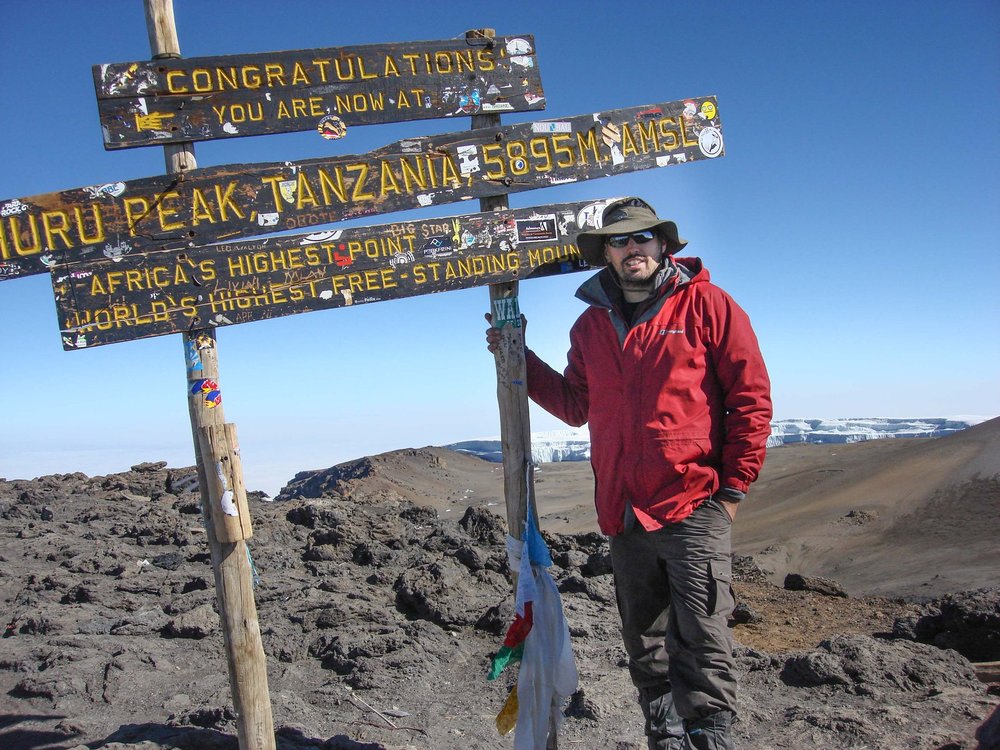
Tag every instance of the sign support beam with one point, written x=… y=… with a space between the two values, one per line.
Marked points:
x=512 y=389
x=230 y=558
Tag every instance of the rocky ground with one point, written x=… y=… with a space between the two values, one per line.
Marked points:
x=379 y=618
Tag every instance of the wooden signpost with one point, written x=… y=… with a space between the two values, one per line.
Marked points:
x=132 y=259
x=220 y=478
x=104 y=301
x=241 y=200
x=151 y=103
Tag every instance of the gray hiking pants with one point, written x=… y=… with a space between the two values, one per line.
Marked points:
x=674 y=591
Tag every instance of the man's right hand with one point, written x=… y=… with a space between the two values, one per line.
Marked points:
x=493 y=334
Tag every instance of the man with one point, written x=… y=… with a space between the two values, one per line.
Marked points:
x=667 y=371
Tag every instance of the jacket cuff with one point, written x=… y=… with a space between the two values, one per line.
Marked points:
x=731 y=494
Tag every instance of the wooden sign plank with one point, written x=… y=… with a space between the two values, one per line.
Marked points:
x=103 y=301
x=242 y=200
x=153 y=103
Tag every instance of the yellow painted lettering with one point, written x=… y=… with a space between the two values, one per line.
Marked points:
x=230 y=80
x=365 y=75
x=275 y=182
x=305 y=193
x=358 y=193
x=225 y=200
x=81 y=225
x=172 y=85
x=96 y=287
x=251 y=76
x=135 y=209
x=418 y=178
x=489 y=158
x=628 y=143
x=55 y=223
x=388 y=182
x=166 y=211
x=588 y=140
x=486 y=59
x=341 y=74
x=200 y=209
x=275 y=74
x=539 y=147
x=560 y=148
x=648 y=139
x=299 y=74
x=463 y=61
x=201 y=79
x=668 y=132
x=332 y=187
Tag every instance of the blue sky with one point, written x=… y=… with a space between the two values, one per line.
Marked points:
x=854 y=216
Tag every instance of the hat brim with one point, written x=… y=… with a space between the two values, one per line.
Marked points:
x=591 y=242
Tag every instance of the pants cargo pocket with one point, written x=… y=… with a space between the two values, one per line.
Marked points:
x=722 y=598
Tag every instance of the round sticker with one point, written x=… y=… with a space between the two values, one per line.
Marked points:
x=708 y=110
x=710 y=142
x=332 y=128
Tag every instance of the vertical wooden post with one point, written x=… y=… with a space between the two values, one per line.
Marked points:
x=215 y=444
x=512 y=390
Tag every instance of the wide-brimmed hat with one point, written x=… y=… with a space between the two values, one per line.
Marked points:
x=624 y=216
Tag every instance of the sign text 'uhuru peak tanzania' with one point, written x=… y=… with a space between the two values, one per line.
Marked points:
x=221 y=203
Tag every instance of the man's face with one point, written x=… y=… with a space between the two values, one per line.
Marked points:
x=635 y=257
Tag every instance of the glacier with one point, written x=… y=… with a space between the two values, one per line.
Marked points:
x=573 y=444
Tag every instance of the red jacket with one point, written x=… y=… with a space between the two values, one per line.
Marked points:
x=679 y=404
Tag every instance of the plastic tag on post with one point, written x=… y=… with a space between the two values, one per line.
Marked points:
x=506 y=312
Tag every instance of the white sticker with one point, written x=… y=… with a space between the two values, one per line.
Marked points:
x=328 y=236
x=228 y=506
x=551 y=127
x=710 y=142
x=518 y=46
x=425 y=200
x=469 y=159
x=12 y=208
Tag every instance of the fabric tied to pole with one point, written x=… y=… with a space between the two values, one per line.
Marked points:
x=548 y=671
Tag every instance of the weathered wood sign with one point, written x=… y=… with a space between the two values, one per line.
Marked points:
x=241 y=200
x=104 y=301
x=156 y=102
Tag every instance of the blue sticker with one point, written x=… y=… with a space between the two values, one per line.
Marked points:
x=192 y=357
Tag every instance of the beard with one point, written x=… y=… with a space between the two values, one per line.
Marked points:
x=639 y=278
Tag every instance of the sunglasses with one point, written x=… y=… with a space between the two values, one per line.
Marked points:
x=621 y=240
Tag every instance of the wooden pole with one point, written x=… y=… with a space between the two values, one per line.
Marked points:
x=220 y=478
x=512 y=390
